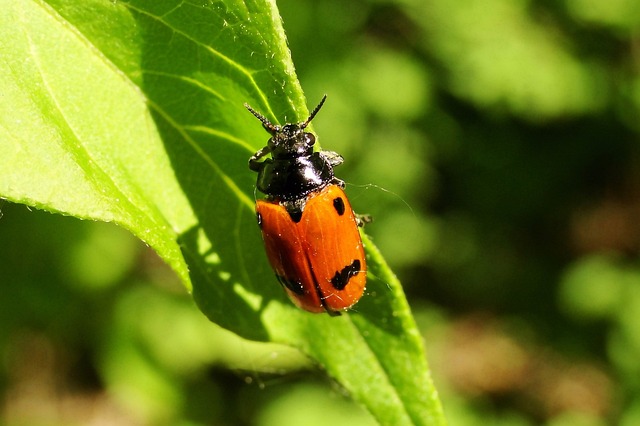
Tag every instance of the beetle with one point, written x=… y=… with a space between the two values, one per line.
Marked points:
x=309 y=229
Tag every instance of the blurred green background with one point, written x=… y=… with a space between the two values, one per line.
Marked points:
x=496 y=144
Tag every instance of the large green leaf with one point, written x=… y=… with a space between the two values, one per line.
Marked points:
x=132 y=112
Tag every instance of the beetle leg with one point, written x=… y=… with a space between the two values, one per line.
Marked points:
x=254 y=164
x=363 y=219
x=333 y=158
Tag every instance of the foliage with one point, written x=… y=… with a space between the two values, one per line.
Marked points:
x=494 y=142
x=142 y=124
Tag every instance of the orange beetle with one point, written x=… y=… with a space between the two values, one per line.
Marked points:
x=309 y=230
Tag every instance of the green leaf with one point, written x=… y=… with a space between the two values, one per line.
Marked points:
x=132 y=112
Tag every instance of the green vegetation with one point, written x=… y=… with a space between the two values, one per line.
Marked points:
x=494 y=142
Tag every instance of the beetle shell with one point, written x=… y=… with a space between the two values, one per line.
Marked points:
x=319 y=259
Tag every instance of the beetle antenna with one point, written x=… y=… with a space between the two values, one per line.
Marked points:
x=313 y=113
x=266 y=123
